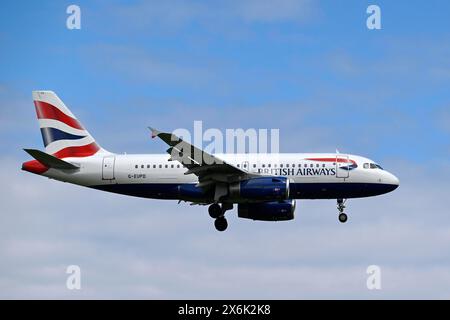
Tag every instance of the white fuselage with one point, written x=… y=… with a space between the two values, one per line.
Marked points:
x=311 y=175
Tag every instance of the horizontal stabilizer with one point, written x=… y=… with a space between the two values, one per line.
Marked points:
x=50 y=161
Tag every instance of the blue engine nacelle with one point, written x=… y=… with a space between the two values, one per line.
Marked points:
x=264 y=188
x=267 y=211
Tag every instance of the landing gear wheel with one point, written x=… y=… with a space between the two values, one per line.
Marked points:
x=221 y=224
x=343 y=218
x=341 y=206
x=215 y=211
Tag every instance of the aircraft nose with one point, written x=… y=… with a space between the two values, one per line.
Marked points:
x=392 y=180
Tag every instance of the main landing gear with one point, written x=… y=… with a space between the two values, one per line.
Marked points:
x=217 y=212
x=341 y=206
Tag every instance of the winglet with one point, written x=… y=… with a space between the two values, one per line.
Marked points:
x=155 y=132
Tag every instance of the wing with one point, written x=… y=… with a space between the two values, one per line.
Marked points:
x=210 y=170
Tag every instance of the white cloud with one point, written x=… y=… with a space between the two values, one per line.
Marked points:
x=137 y=248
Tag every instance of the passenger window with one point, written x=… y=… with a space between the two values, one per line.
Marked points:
x=160 y=166
x=323 y=165
x=263 y=165
x=166 y=166
x=293 y=166
x=154 y=166
x=305 y=165
x=171 y=166
x=317 y=165
x=287 y=165
x=311 y=165
x=178 y=166
x=238 y=166
x=254 y=166
x=281 y=166
x=269 y=165
x=142 y=166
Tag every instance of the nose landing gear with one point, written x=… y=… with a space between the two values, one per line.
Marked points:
x=341 y=206
x=217 y=212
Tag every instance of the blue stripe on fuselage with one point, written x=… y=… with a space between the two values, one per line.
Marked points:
x=297 y=190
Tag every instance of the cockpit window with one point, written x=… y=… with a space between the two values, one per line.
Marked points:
x=375 y=166
x=372 y=166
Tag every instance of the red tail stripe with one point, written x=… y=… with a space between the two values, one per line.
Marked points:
x=45 y=110
x=83 y=151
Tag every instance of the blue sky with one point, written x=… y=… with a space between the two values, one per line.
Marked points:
x=310 y=68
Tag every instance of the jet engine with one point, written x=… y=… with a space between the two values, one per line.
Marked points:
x=264 y=188
x=267 y=211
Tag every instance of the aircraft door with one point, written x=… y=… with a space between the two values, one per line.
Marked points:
x=342 y=166
x=108 y=168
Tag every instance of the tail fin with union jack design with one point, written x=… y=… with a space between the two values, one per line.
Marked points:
x=63 y=135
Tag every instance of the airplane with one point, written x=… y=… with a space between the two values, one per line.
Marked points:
x=263 y=186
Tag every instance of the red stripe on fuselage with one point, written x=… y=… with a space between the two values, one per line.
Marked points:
x=343 y=160
x=45 y=110
x=82 y=151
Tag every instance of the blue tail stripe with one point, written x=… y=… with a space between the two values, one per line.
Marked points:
x=52 y=134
